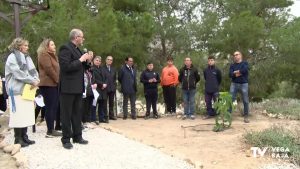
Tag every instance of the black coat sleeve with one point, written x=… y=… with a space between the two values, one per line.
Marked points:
x=66 y=62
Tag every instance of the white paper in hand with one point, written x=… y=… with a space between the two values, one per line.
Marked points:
x=96 y=95
x=39 y=100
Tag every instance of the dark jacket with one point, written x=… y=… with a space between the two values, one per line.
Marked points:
x=111 y=78
x=3 y=97
x=127 y=80
x=146 y=76
x=213 y=78
x=188 y=77
x=244 y=70
x=71 y=69
x=99 y=77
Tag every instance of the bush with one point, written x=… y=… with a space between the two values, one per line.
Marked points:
x=276 y=137
x=285 y=89
x=288 y=108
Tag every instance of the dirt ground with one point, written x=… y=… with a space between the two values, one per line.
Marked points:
x=200 y=145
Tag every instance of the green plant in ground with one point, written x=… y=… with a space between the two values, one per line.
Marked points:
x=222 y=107
x=276 y=137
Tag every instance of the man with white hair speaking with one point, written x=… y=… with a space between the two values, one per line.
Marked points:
x=72 y=62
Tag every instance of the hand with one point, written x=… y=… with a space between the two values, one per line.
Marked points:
x=238 y=74
x=150 y=80
x=84 y=57
x=154 y=80
x=35 y=84
x=94 y=86
x=104 y=86
x=91 y=55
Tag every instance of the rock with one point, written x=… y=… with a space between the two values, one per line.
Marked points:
x=8 y=148
x=16 y=149
x=265 y=112
x=21 y=160
x=248 y=153
x=2 y=144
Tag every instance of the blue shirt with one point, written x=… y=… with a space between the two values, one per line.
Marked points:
x=244 y=70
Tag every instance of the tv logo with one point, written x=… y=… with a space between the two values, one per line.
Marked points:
x=274 y=152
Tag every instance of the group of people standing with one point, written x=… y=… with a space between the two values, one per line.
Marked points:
x=70 y=80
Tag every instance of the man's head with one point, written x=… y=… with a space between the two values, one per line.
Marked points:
x=211 y=60
x=76 y=36
x=109 y=60
x=129 y=61
x=150 y=66
x=188 y=62
x=237 y=56
x=169 y=61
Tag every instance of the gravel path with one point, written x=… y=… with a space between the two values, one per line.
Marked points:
x=105 y=150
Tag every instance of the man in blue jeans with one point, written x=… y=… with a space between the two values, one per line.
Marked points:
x=188 y=77
x=238 y=73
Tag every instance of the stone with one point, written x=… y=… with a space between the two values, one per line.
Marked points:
x=16 y=149
x=8 y=148
x=3 y=144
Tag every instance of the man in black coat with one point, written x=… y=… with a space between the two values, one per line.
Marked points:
x=150 y=79
x=127 y=78
x=111 y=85
x=213 y=78
x=72 y=64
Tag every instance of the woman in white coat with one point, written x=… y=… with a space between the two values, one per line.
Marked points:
x=20 y=70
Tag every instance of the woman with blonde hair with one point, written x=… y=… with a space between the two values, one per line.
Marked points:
x=20 y=70
x=49 y=76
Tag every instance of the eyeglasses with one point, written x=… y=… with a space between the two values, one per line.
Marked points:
x=236 y=54
x=109 y=59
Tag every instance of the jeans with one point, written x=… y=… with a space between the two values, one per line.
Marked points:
x=243 y=89
x=208 y=100
x=189 y=101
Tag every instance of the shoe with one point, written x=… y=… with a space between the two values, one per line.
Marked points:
x=80 y=141
x=147 y=117
x=133 y=117
x=184 y=117
x=103 y=121
x=192 y=117
x=246 y=119
x=112 y=118
x=207 y=117
x=67 y=145
x=125 y=118
x=155 y=115
x=96 y=122
x=26 y=140
x=53 y=133
x=21 y=142
x=58 y=128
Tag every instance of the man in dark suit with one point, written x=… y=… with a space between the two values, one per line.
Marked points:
x=72 y=64
x=127 y=78
x=111 y=85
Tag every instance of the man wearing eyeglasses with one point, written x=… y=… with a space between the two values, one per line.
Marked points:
x=72 y=62
x=238 y=73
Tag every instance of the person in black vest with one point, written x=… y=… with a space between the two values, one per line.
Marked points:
x=111 y=85
x=127 y=78
x=213 y=78
x=72 y=64
x=150 y=79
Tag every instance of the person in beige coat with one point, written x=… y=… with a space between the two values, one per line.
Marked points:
x=49 y=79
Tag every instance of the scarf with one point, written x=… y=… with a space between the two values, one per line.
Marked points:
x=25 y=62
